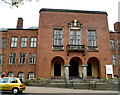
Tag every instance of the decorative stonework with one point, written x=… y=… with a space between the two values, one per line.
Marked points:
x=75 y=23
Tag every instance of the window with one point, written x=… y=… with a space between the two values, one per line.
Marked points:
x=57 y=36
x=31 y=75
x=112 y=44
x=12 y=58
x=1 y=59
x=3 y=43
x=75 y=37
x=118 y=44
x=21 y=75
x=22 y=58
x=32 y=58
x=14 y=41
x=10 y=74
x=119 y=58
x=33 y=42
x=23 y=42
x=92 y=38
x=113 y=59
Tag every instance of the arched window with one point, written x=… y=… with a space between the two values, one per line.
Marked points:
x=10 y=74
x=21 y=75
x=31 y=75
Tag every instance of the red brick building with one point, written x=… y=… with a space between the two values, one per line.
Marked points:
x=16 y=51
x=115 y=48
x=67 y=43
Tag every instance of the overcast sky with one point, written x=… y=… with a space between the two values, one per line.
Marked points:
x=30 y=10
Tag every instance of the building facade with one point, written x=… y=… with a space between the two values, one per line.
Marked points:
x=115 y=48
x=67 y=43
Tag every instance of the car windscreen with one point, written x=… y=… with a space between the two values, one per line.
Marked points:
x=4 y=80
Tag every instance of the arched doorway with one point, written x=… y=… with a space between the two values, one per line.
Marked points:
x=93 y=67
x=57 y=67
x=75 y=68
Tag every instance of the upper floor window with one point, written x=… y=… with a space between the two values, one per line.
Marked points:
x=1 y=59
x=112 y=44
x=12 y=58
x=24 y=42
x=14 y=41
x=92 y=37
x=118 y=44
x=22 y=59
x=75 y=32
x=3 y=43
x=58 y=38
x=75 y=37
x=33 y=42
x=113 y=59
x=32 y=58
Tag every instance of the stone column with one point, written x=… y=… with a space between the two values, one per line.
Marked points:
x=67 y=71
x=84 y=70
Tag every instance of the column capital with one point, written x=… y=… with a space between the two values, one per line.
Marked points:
x=66 y=65
x=84 y=65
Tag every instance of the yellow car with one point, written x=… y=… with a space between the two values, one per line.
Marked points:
x=12 y=84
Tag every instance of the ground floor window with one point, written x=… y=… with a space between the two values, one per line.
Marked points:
x=21 y=75
x=31 y=75
x=10 y=74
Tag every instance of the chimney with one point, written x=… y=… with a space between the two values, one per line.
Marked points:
x=19 y=23
x=117 y=27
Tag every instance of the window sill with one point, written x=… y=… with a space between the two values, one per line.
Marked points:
x=93 y=50
x=58 y=50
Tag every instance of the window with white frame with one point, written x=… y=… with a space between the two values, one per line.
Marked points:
x=10 y=74
x=23 y=41
x=31 y=75
x=22 y=59
x=33 y=42
x=92 y=37
x=75 y=37
x=113 y=59
x=14 y=41
x=12 y=58
x=1 y=59
x=32 y=58
x=21 y=75
x=2 y=43
x=58 y=36
x=112 y=44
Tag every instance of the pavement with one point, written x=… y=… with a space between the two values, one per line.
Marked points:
x=32 y=89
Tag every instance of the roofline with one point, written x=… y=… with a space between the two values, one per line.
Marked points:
x=20 y=29
x=74 y=11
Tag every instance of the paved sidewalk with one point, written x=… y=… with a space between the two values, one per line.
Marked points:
x=31 y=89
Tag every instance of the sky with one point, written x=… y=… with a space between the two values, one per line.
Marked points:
x=29 y=11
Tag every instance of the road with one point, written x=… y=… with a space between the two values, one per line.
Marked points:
x=30 y=90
